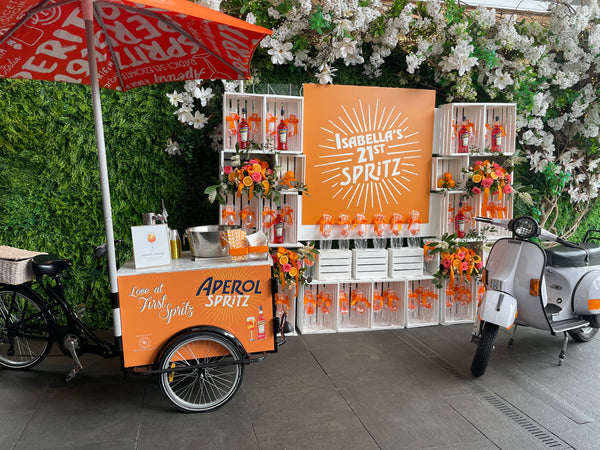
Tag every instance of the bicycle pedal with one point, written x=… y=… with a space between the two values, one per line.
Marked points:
x=72 y=374
x=172 y=374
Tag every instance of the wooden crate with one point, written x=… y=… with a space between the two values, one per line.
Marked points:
x=422 y=303
x=369 y=264
x=405 y=262
x=334 y=265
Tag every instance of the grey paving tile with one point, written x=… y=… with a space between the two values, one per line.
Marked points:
x=492 y=424
x=12 y=425
x=226 y=427
x=402 y=413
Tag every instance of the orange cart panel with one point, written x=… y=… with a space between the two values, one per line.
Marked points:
x=156 y=305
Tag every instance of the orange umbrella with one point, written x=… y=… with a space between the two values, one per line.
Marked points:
x=121 y=44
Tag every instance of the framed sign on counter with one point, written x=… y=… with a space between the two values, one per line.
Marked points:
x=151 y=245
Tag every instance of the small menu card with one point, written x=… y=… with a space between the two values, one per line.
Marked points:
x=151 y=245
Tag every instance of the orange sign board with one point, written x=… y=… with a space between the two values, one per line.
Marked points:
x=156 y=306
x=368 y=150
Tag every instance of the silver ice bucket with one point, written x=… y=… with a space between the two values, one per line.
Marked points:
x=206 y=241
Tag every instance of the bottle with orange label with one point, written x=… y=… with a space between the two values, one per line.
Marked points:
x=460 y=223
x=261 y=324
x=278 y=228
x=464 y=134
x=243 y=131
x=282 y=133
x=497 y=133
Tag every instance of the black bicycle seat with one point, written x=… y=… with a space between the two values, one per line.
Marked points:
x=49 y=264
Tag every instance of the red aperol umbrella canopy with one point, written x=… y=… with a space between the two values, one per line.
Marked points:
x=121 y=44
x=137 y=42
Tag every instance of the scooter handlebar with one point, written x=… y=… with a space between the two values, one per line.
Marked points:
x=497 y=222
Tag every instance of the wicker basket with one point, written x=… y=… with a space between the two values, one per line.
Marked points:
x=15 y=265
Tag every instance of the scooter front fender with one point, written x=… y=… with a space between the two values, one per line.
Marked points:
x=499 y=308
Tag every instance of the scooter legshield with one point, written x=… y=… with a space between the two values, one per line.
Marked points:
x=499 y=308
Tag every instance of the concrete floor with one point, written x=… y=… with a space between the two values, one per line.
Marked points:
x=401 y=389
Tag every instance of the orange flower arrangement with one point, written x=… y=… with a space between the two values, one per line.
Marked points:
x=289 y=266
x=488 y=178
x=254 y=177
x=455 y=261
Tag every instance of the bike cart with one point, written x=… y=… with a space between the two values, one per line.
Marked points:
x=196 y=324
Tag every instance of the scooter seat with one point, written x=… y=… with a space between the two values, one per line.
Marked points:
x=563 y=256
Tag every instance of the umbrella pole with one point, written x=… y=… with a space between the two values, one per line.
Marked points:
x=87 y=8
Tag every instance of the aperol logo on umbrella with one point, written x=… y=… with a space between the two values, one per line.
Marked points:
x=368 y=150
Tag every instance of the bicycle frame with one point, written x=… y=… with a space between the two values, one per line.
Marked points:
x=55 y=294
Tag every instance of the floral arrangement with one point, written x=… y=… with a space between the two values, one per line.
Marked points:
x=253 y=177
x=456 y=261
x=490 y=176
x=289 y=266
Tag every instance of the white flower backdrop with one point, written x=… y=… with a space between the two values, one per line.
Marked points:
x=548 y=66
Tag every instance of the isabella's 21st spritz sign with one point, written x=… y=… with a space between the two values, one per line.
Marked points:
x=368 y=150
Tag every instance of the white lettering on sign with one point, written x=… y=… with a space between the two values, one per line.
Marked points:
x=227 y=301
x=367 y=158
x=153 y=300
x=387 y=168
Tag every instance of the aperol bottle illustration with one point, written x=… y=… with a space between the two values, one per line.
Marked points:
x=261 y=324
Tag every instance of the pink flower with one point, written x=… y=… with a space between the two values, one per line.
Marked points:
x=496 y=165
x=499 y=173
x=487 y=182
x=252 y=162
x=286 y=267
x=479 y=265
x=478 y=163
x=464 y=266
x=476 y=191
x=507 y=177
x=507 y=189
x=269 y=172
x=256 y=176
x=446 y=263
x=299 y=264
x=227 y=170
x=461 y=255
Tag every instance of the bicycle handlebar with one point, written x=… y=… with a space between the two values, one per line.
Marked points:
x=100 y=251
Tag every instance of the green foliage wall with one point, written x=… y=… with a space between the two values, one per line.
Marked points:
x=50 y=196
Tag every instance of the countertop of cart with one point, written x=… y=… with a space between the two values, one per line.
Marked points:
x=187 y=262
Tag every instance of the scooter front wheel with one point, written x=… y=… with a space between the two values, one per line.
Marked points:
x=584 y=334
x=485 y=346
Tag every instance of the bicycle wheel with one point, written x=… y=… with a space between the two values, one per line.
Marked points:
x=212 y=382
x=24 y=330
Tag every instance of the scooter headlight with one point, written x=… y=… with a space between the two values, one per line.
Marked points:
x=525 y=227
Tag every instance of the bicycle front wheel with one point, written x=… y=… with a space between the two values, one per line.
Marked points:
x=24 y=329
x=208 y=371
